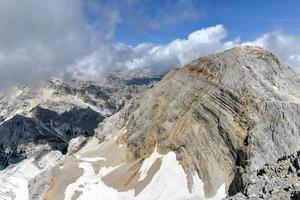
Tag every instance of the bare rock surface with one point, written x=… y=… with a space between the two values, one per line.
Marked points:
x=234 y=110
x=279 y=180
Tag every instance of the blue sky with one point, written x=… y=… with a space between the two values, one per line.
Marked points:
x=244 y=19
x=85 y=39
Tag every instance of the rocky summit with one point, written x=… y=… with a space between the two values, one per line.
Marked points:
x=225 y=126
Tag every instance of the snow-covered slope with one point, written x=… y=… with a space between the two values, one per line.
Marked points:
x=168 y=182
x=14 y=179
x=103 y=172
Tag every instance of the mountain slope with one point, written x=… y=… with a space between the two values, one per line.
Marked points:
x=212 y=124
x=51 y=113
x=202 y=132
x=42 y=123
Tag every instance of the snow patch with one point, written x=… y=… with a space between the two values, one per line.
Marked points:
x=14 y=179
x=147 y=164
x=94 y=159
x=170 y=182
x=91 y=159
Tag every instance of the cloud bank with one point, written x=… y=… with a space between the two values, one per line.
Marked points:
x=41 y=39
x=162 y=58
x=159 y=58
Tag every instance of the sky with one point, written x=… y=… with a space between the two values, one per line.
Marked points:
x=85 y=39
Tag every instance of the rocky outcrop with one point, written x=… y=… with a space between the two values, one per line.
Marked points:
x=234 y=110
x=279 y=180
x=20 y=134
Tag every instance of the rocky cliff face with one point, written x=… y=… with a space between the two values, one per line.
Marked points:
x=205 y=131
x=279 y=180
x=224 y=116
x=43 y=123
x=51 y=113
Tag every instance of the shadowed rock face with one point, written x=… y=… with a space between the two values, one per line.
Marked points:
x=46 y=127
x=48 y=116
x=80 y=119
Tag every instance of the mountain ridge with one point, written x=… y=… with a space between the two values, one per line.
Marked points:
x=212 y=123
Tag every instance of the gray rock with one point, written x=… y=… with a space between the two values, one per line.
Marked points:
x=53 y=112
x=233 y=110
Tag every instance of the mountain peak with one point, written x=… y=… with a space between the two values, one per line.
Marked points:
x=249 y=49
x=246 y=69
x=211 y=124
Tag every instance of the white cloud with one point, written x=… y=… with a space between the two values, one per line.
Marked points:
x=162 y=58
x=94 y=66
x=39 y=38
x=180 y=51
x=159 y=58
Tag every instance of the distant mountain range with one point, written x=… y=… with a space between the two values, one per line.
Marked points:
x=225 y=126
